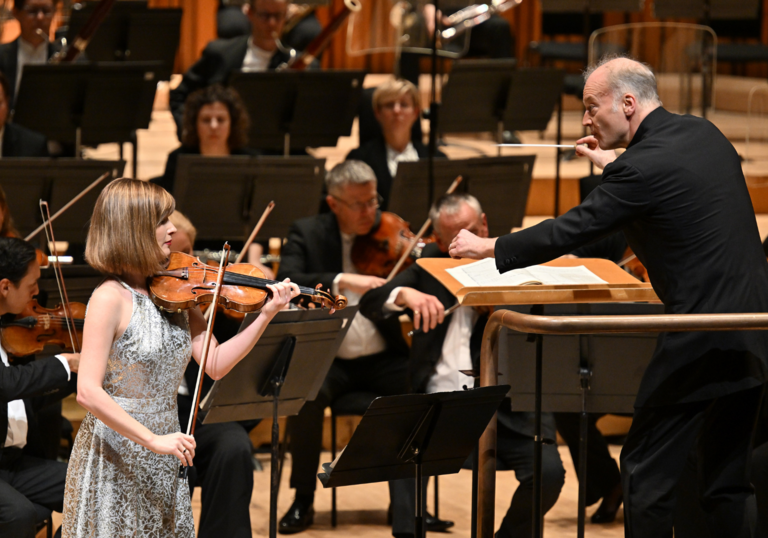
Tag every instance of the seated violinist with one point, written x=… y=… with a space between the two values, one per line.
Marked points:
x=258 y=51
x=397 y=106
x=373 y=356
x=17 y=141
x=27 y=482
x=215 y=125
x=446 y=345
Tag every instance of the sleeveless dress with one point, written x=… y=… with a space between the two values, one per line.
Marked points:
x=116 y=487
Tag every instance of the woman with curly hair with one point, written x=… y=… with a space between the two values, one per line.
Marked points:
x=215 y=124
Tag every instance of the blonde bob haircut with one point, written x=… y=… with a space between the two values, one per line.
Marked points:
x=395 y=89
x=122 y=238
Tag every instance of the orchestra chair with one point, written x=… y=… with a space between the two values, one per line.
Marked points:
x=355 y=404
x=44 y=519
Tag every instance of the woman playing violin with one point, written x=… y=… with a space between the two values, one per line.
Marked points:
x=123 y=474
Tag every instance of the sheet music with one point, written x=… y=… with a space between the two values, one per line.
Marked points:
x=483 y=273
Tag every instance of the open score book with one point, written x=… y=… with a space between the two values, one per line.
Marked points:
x=483 y=273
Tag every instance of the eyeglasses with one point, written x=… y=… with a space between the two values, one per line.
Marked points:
x=266 y=16
x=373 y=203
x=32 y=11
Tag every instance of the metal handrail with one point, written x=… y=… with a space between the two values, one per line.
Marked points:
x=526 y=323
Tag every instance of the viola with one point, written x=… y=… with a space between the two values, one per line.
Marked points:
x=188 y=282
x=377 y=252
x=36 y=327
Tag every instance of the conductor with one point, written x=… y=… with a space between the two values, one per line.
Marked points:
x=679 y=195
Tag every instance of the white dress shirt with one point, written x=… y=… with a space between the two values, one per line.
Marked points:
x=256 y=59
x=363 y=338
x=408 y=155
x=454 y=355
x=17 y=414
x=29 y=55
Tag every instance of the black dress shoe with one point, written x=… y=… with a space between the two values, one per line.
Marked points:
x=433 y=524
x=298 y=518
x=606 y=512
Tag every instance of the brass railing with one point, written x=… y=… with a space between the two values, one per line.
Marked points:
x=539 y=325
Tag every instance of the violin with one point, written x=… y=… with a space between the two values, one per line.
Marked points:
x=188 y=282
x=377 y=252
x=36 y=327
x=634 y=266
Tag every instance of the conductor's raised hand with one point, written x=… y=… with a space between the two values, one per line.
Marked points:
x=589 y=147
x=175 y=444
x=468 y=245
x=282 y=293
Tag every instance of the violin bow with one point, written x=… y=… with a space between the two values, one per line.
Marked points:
x=48 y=224
x=69 y=204
x=419 y=235
x=206 y=348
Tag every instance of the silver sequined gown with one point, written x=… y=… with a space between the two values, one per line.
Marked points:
x=116 y=487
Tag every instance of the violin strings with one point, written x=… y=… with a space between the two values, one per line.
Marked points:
x=247 y=280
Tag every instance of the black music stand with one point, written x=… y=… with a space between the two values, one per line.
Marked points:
x=414 y=435
x=93 y=103
x=296 y=109
x=132 y=32
x=500 y=184
x=582 y=374
x=57 y=181
x=286 y=367
x=231 y=205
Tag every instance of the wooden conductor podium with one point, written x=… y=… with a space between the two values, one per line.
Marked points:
x=619 y=287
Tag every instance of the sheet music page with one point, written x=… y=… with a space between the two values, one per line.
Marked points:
x=483 y=273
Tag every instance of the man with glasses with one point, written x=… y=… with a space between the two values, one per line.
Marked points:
x=32 y=47
x=397 y=106
x=373 y=356
x=258 y=51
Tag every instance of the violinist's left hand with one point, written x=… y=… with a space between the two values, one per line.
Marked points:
x=282 y=293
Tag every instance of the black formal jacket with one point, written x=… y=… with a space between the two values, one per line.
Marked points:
x=312 y=255
x=168 y=178
x=679 y=195
x=426 y=348
x=9 y=62
x=219 y=59
x=19 y=141
x=374 y=154
x=39 y=383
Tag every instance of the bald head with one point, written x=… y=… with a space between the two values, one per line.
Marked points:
x=620 y=76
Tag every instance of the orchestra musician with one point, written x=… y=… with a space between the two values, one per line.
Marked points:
x=17 y=141
x=373 y=356
x=215 y=125
x=257 y=52
x=448 y=344
x=123 y=477
x=679 y=194
x=222 y=464
x=27 y=481
x=397 y=106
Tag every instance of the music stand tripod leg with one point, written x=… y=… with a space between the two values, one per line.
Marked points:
x=585 y=374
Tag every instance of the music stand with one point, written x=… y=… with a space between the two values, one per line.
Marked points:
x=132 y=33
x=243 y=188
x=582 y=374
x=286 y=367
x=57 y=181
x=296 y=109
x=499 y=183
x=417 y=435
x=93 y=103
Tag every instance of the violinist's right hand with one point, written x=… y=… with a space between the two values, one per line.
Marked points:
x=175 y=444
x=428 y=311
x=359 y=283
x=73 y=360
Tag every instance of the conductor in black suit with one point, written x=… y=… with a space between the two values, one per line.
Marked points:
x=679 y=195
x=32 y=46
x=448 y=344
x=397 y=106
x=255 y=52
x=17 y=141
x=27 y=481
